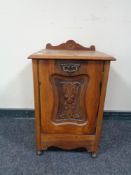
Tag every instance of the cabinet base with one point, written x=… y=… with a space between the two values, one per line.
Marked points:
x=68 y=142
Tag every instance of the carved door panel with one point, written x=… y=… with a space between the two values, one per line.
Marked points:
x=69 y=96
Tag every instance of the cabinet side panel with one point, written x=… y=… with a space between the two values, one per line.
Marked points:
x=94 y=71
x=101 y=104
x=37 y=102
x=47 y=101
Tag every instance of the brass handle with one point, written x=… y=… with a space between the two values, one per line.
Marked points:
x=70 y=67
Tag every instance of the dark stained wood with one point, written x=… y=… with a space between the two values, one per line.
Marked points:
x=69 y=95
x=70 y=45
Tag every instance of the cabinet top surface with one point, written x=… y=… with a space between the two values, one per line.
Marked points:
x=70 y=50
x=69 y=54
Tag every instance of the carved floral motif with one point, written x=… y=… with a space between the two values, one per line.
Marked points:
x=70 y=94
x=70 y=102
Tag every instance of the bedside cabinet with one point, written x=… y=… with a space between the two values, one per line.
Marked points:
x=69 y=88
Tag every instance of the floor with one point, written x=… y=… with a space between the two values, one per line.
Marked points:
x=17 y=151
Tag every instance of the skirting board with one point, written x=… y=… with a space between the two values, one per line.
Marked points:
x=29 y=113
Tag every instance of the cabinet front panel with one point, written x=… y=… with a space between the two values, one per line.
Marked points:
x=69 y=95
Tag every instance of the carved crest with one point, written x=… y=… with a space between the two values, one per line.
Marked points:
x=70 y=45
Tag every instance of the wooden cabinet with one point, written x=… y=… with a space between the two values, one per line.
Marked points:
x=69 y=88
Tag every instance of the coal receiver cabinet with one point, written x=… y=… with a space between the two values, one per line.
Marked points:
x=69 y=90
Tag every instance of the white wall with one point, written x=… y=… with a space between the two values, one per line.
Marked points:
x=27 y=25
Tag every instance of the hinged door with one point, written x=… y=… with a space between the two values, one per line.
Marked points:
x=69 y=95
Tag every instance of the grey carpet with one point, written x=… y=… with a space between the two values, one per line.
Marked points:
x=17 y=152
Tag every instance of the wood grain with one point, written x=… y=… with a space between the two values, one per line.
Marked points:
x=50 y=102
x=68 y=141
x=70 y=50
x=101 y=104
x=69 y=90
x=37 y=103
x=71 y=54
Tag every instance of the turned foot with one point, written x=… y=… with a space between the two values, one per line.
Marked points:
x=38 y=153
x=93 y=155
